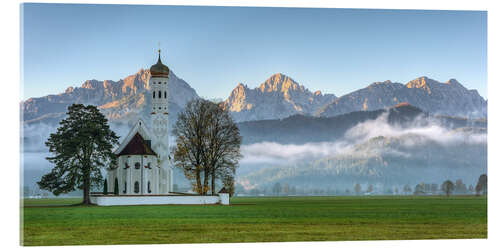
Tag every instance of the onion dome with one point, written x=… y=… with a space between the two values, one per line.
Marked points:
x=159 y=69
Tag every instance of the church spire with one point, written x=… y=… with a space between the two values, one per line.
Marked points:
x=159 y=69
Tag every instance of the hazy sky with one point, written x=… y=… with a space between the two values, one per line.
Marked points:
x=214 y=48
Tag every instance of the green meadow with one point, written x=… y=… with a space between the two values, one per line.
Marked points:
x=256 y=219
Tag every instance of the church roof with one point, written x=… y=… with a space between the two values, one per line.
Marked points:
x=159 y=69
x=223 y=191
x=137 y=146
x=139 y=127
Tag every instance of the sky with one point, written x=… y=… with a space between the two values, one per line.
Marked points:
x=215 y=48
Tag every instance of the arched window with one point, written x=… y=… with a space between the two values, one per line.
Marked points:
x=159 y=94
x=116 y=191
x=136 y=187
x=149 y=187
x=137 y=165
x=154 y=94
x=125 y=187
x=165 y=94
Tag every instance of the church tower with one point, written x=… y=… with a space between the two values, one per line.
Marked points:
x=158 y=84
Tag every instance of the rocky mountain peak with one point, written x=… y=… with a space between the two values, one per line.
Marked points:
x=69 y=90
x=278 y=97
x=420 y=82
x=280 y=83
x=91 y=84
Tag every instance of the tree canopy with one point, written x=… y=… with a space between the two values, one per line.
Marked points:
x=448 y=187
x=81 y=147
x=482 y=184
x=207 y=145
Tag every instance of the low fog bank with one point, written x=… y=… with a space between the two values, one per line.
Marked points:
x=375 y=152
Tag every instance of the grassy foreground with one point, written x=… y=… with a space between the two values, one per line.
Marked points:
x=55 y=222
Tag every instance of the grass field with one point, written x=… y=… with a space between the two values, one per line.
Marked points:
x=273 y=219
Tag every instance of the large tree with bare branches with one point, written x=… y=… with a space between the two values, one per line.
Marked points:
x=207 y=144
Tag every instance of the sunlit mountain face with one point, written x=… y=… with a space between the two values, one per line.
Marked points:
x=387 y=134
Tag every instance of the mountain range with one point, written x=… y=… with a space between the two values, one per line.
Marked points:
x=121 y=101
x=292 y=118
x=278 y=97
x=448 y=98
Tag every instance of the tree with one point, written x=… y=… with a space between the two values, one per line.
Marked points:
x=222 y=151
x=370 y=189
x=190 y=132
x=286 y=189
x=357 y=188
x=407 y=189
x=434 y=188
x=228 y=181
x=81 y=146
x=277 y=188
x=447 y=187
x=207 y=144
x=105 y=188
x=419 y=189
x=482 y=185
x=460 y=187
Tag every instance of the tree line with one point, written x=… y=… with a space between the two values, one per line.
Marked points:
x=447 y=187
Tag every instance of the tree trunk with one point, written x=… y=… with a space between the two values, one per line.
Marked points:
x=86 y=188
x=213 y=182
x=206 y=175
x=198 y=182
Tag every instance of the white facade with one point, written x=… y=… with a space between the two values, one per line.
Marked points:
x=137 y=174
x=160 y=200
x=143 y=157
x=159 y=121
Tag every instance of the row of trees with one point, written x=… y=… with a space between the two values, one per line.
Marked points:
x=448 y=187
x=207 y=146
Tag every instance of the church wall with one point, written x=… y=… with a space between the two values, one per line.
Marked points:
x=127 y=177
x=160 y=200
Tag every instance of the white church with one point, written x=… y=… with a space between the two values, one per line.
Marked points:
x=143 y=173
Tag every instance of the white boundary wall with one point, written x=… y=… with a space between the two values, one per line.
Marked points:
x=124 y=200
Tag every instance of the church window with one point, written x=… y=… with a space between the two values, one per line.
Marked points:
x=154 y=94
x=137 y=165
x=115 y=188
x=165 y=94
x=159 y=94
x=136 y=187
x=149 y=187
x=125 y=187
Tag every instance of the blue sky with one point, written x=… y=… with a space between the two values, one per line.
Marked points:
x=214 y=48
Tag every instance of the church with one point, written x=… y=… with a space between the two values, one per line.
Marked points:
x=143 y=174
x=143 y=157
